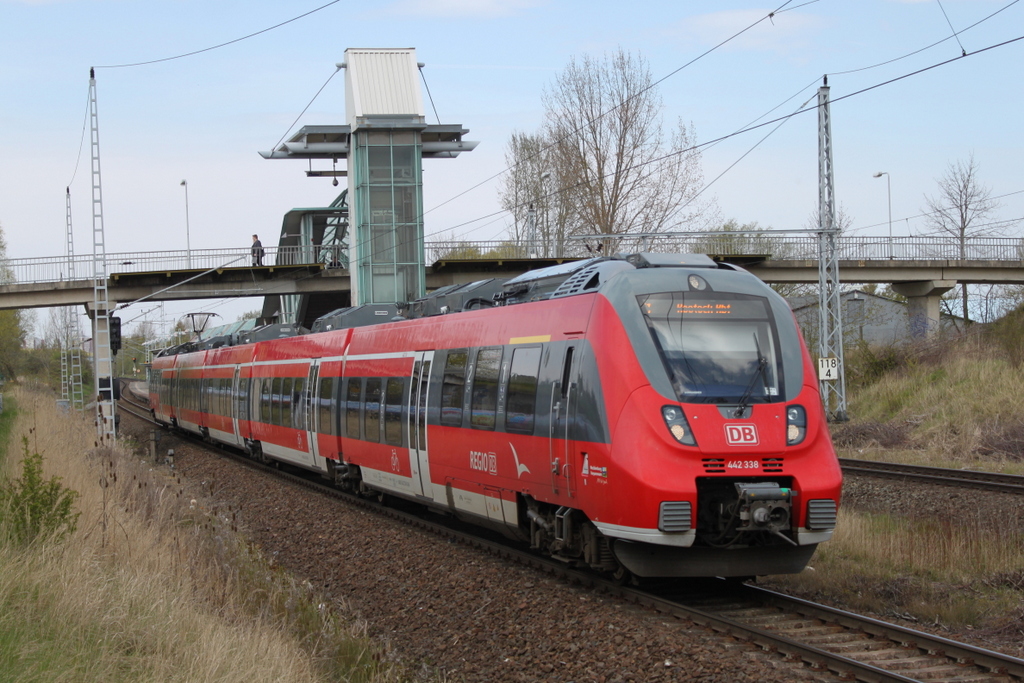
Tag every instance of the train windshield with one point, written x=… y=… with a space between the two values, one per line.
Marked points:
x=717 y=347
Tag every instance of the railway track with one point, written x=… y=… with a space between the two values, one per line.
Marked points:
x=827 y=640
x=987 y=481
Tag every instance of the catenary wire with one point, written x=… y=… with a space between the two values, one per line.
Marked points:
x=962 y=50
x=776 y=120
x=215 y=47
x=621 y=104
x=329 y=79
x=748 y=126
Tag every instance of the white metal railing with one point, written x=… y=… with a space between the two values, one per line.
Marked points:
x=778 y=248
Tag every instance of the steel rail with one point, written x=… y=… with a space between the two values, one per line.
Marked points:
x=988 y=481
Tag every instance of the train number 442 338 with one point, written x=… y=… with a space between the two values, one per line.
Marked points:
x=743 y=465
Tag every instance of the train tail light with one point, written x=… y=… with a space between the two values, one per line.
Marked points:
x=678 y=426
x=796 y=425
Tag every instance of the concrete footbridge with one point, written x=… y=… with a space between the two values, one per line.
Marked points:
x=921 y=268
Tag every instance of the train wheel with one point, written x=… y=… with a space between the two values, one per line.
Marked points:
x=623 y=576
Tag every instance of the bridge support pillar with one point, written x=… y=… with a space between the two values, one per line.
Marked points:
x=923 y=304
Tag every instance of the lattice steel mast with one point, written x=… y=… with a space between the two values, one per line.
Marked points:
x=71 y=352
x=102 y=358
x=833 y=392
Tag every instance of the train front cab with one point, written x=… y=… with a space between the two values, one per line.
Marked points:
x=719 y=441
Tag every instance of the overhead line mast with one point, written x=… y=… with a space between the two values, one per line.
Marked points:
x=830 y=343
x=71 y=353
x=102 y=357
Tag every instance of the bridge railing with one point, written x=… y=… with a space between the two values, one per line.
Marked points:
x=59 y=268
x=778 y=248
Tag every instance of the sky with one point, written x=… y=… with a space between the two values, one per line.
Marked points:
x=204 y=117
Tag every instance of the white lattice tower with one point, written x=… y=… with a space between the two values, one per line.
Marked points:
x=102 y=358
x=833 y=392
x=71 y=352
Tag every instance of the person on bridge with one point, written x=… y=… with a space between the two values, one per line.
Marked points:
x=257 y=251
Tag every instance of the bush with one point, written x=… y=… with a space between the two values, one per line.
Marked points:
x=1007 y=333
x=32 y=507
x=867 y=364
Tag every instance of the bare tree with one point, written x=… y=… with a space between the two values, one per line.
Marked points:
x=603 y=162
x=961 y=209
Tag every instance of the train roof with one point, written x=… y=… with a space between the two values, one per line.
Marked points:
x=565 y=279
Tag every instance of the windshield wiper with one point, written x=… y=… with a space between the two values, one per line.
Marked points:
x=762 y=366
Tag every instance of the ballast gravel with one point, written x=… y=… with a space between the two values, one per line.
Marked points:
x=445 y=610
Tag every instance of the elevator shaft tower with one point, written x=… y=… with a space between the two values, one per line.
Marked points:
x=384 y=141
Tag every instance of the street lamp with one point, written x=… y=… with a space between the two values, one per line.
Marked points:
x=888 y=186
x=188 y=241
x=544 y=177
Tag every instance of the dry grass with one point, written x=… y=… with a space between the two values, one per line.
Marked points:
x=152 y=587
x=954 y=404
x=960 y=409
x=958 y=573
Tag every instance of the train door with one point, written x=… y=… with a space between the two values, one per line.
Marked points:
x=563 y=407
x=419 y=387
x=310 y=410
x=237 y=405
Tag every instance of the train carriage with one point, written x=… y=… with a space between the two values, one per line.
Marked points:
x=656 y=414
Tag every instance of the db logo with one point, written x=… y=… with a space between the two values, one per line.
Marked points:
x=741 y=435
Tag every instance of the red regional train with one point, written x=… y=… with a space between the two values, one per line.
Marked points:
x=655 y=415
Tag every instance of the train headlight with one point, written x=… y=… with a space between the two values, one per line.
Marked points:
x=796 y=425
x=677 y=425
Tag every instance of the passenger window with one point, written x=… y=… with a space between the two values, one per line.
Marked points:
x=266 y=399
x=299 y=403
x=453 y=388
x=371 y=418
x=275 y=402
x=355 y=390
x=424 y=384
x=393 y=395
x=522 y=390
x=485 y=388
x=567 y=371
x=286 y=402
x=326 y=393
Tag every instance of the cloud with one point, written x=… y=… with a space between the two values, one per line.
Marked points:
x=463 y=9
x=785 y=32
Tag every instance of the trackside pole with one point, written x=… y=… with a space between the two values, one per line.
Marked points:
x=102 y=358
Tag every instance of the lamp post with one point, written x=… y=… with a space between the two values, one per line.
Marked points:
x=544 y=191
x=188 y=241
x=888 y=187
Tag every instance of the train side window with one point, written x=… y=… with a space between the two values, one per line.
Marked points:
x=485 y=388
x=298 y=412
x=424 y=384
x=354 y=398
x=275 y=402
x=324 y=405
x=567 y=371
x=394 y=394
x=522 y=390
x=371 y=416
x=286 y=402
x=452 y=388
x=265 y=400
